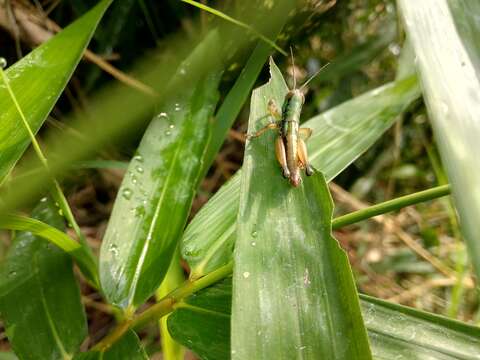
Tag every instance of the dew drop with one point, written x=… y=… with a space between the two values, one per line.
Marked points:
x=171 y=126
x=168 y=133
x=177 y=107
x=246 y=274
x=138 y=158
x=134 y=179
x=3 y=63
x=253 y=243
x=44 y=199
x=113 y=249
x=162 y=115
x=183 y=71
x=139 y=169
x=254 y=233
x=12 y=273
x=127 y=193
x=60 y=212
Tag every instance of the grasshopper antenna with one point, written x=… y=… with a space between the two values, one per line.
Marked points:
x=293 y=67
x=314 y=75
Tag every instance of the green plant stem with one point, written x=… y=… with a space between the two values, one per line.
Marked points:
x=167 y=304
x=56 y=192
x=390 y=205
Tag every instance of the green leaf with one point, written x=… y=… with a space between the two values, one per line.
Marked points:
x=154 y=199
x=127 y=348
x=340 y=136
x=445 y=37
x=202 y=323
x=37 y=80
x=293 y=289
x=397 y=331
x=55 y=236
x=39 y=296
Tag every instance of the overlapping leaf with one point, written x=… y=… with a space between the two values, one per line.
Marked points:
x=202 y=323
x=39 y=296
x=340 y=135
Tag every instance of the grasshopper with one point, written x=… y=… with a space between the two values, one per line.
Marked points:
x=290 y=147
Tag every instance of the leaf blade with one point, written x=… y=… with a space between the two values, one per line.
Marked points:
x=444 y=36
x=142 y=235
x=293 y=290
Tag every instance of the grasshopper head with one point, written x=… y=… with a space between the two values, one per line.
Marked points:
x=295 y=179
x=296 y=95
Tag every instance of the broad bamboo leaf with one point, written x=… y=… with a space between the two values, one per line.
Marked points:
x=202 y=323
x=37 y=80
x=154 y=199
x=445 y=37
x=293 y=290
x=126 y=348
x=340 y=136
x=39 y=296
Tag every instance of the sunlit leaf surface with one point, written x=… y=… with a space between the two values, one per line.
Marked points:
x=37 y=80
x=445 y=37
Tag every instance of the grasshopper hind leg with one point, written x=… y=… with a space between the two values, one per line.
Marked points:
x=282 y=156
x=303 y=157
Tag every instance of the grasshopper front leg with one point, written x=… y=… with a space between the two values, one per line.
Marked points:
x=273 y=110
x=304 y=133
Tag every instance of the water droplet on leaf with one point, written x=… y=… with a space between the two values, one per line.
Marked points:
x=246 y=274
x=127 y=193
x=3 y=63
x=113 y=249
